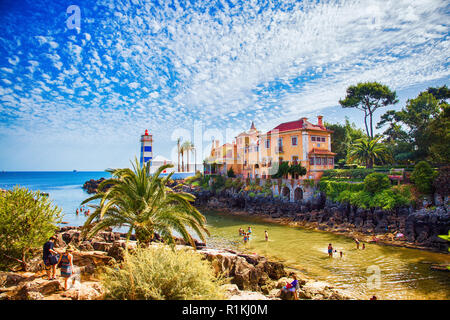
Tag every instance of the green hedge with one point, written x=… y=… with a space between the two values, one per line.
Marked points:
x=350 y=174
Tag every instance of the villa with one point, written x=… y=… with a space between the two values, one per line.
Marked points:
x=254 y=154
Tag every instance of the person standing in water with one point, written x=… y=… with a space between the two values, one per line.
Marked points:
x=363 y=246
x=330 y=250
x=357 y=243
x=266 y=235
x=340 y=252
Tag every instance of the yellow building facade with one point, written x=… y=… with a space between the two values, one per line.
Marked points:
x=257 y=155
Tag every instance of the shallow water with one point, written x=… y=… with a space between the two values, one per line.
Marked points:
x=403 y=273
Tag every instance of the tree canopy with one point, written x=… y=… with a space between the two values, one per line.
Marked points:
x=368 y=97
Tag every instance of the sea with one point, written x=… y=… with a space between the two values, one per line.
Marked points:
x=64 y=188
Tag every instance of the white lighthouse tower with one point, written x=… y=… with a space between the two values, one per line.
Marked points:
x=146 y=148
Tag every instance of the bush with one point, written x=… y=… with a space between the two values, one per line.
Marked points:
x=27 y=220
x=162 y=274
x=423 y=176
x=376 y=182
x=387 y=199
x=230 y=173
x=218 y=183
x=333 y=188
x=442 y=182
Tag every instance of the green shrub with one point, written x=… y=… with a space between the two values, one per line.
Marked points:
x=376 y=182
x=333 y=188
x=423 y=176
x=386 y=199
x=27 y=220
x=230 y=173
x=251 y=194
x=218 y=183
x=162 y=274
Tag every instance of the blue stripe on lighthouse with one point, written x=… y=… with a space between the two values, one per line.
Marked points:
x=147 y=158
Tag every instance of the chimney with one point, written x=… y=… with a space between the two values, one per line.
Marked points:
x=319 y=121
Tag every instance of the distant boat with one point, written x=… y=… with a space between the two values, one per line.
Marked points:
x=74 y=170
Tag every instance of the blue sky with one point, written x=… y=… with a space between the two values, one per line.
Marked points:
x=80 y=98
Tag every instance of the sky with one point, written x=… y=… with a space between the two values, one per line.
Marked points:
x=78 y=96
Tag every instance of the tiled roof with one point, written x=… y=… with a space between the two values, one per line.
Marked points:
x=322 y=151
x=297 y=125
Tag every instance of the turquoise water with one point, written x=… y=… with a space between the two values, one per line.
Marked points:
x=63 y=187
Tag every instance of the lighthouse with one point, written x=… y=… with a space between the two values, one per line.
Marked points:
x=146 y=148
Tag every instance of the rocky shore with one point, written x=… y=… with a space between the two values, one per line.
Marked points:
x=249 y=276
x=404 y=226
x=91 y=186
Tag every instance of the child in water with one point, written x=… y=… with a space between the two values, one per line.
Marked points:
x=245 y=238
x=330 y=250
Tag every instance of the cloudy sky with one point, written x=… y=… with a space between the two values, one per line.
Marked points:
x=78 y=98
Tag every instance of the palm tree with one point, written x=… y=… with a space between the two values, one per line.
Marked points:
x=367 y=150
x=188 y=147
x=182 y=150
x=178 y=151
x=144 y=204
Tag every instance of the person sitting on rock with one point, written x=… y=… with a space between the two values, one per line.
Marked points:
x=66 y=263
x=292 y=287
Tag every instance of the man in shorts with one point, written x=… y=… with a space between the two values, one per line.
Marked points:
x=49 y=262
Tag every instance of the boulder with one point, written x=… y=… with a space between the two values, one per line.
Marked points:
x=36 y=289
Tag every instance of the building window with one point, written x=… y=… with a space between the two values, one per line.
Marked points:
x=323 y=139
x=313 y=138
x=319 y=162
x=280 y=142
x=267 y=144
x=330 y=161
x=294 y=140
x=311 y=161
